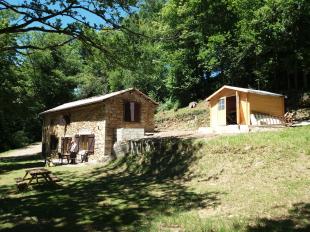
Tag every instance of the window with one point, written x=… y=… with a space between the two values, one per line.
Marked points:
x=221 y=104
x=86 y=142
x=131 y=112
x=83 y=142
x=67 y=119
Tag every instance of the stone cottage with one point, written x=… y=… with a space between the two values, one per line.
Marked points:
x=96 y=123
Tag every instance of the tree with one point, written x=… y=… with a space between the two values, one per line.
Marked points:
x=70 y=17
x=139 y=61
x=52 y=72
x=188 y=26
x=14 y=98
x=266 y=44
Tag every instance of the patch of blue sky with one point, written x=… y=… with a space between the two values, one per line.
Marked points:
x=117 y=12
x=215 y=73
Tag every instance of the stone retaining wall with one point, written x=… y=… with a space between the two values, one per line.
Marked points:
x=129 y=133
x=162 y=157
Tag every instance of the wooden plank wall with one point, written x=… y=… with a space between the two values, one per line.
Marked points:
x=267 y=104
x=244 y=109
x=248 y=103
x=219 y=117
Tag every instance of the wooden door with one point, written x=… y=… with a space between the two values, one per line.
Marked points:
x=221 y=112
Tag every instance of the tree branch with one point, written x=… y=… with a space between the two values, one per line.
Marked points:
x=33 y=12
x=19 y=27
x=23 y=47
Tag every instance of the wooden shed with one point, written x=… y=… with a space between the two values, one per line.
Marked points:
x=238 y=106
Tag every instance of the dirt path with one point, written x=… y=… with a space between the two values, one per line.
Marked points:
x=32 y=149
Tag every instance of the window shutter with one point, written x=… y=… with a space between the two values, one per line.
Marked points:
x=137 y=112
x=62 y=145
x=77 y=140
x=127 y=111
x=68 y=142
x=91 y=143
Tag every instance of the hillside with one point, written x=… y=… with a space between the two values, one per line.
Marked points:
x=183 y=118
x=191 y=119
x=250 y=182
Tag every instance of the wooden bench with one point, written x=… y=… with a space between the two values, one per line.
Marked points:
x=18 y=179
x=21 y=184
x=54 y=178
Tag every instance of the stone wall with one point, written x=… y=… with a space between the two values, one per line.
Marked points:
x=101 y=119
x=129 y=133
x=83 y=120
x=159 y=157
x=115 y=116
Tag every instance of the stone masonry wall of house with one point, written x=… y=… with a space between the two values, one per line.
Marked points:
x=84 y=120
x=100 y=119
x=115 y=116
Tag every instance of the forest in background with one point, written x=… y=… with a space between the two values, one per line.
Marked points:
x=175 y=51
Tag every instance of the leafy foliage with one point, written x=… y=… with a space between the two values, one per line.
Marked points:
x=175 y=51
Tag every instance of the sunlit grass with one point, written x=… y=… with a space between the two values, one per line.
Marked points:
x=249 y=182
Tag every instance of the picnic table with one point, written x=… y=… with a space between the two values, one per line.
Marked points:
x=36 y=174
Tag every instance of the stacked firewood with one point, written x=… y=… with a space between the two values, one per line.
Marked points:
x=289 y=118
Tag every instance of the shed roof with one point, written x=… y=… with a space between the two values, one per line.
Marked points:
x=245 y=90
x=91 y=100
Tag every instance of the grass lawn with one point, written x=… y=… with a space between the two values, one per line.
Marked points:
x=251 y=182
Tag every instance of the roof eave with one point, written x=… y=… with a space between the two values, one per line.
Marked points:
x=216 y=92
x=145 y=96
x=101 y=100
x=70 y=107
x=242 y=90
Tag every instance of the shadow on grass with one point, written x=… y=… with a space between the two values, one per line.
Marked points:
x=108 y=198
x=161 y=157
x=8 y=164
x=298 y=220
x=111 y=203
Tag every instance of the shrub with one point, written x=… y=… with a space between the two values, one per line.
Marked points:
x=169 y=104
x=19 y=139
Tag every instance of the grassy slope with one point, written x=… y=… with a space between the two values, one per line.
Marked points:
x=251 y=182
x=260 y=178
x=183 y=118
x=191 y=119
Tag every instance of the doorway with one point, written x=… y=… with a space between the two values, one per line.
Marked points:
x=231 y=111
x=53 y=143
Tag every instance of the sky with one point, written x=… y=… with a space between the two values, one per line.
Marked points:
x=91 y=18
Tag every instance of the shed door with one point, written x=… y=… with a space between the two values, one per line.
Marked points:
x=221 y=111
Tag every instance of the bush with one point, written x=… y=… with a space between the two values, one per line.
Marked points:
x=20 y=139
x=169 y=104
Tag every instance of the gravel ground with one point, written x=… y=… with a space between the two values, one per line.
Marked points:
x=32 y=149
